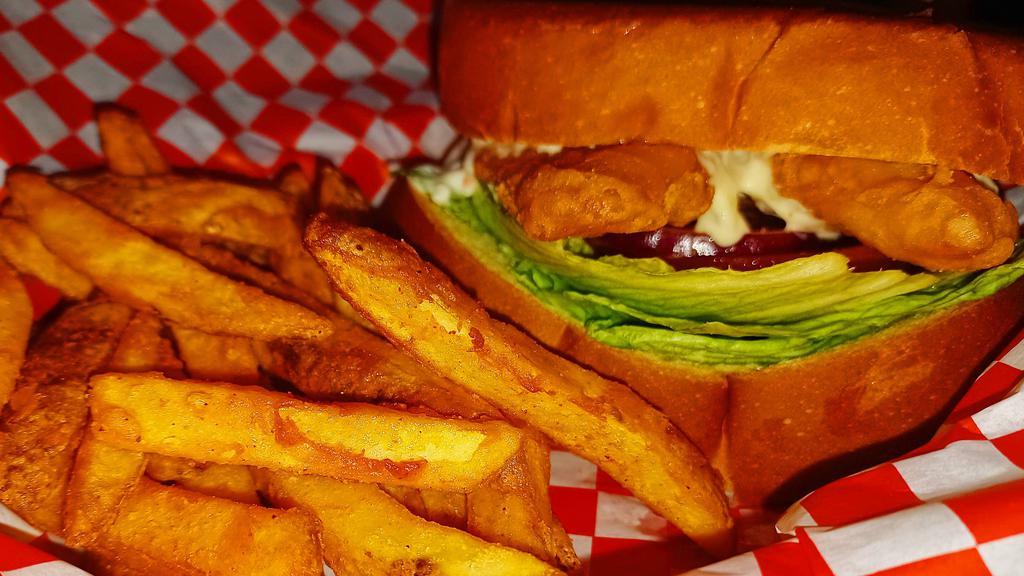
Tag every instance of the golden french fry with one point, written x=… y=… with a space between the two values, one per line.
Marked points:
x=246 y=425
x=15 y=325
x=422 y=312
x=293 y=182
x=227 y=263
x=215 y=357
x=367 y=533
x=513 y=508
x=102 y=477
x=131 y=267
x=353 y=364
x=168 y=531
x=447 y=509
x=48 y=409
x=220 y=480
x=217 y=210
x=20 y=246
x=340 y=198
x=144 y=347
x=127 y=144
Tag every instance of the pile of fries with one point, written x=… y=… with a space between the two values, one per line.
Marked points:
x=203 y=402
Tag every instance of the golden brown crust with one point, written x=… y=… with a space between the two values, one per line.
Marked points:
x=782 y=421
x=803 y=82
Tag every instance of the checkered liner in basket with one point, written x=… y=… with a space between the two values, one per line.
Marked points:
x=249 y=86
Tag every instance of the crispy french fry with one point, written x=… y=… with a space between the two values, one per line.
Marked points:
x=448 y=509
x=294 y=184
x=215 y=357
x=102 y=477
x=145 y=348
x=422 y=312
x=251 y=426
x=220 y=480
x=48 y=409
x=225 y=262
x=20 y=246
x=15 y=326
x=367 y=533
x=127 y=144
x=131 y=267
x=210 y=209
x=513 y=508
x=168 y=531
x=340 y=198
x=411 y=498
x=353 y=364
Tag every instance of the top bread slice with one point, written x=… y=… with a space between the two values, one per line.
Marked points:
x=786 y=81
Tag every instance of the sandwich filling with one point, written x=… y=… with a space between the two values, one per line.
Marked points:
x=784 y=309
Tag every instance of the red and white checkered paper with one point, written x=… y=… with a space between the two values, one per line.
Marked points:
x=251 y=85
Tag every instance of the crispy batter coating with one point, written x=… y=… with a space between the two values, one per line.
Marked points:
x=45 y=421
x=926 y=215
x=589 y=192
x=15 y=325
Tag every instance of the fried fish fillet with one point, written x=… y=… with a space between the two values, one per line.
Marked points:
x=589 y=192
x=926 y=215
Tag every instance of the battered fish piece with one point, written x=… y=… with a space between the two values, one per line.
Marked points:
x=589 y=192
x=934 y=217
x=44 y=424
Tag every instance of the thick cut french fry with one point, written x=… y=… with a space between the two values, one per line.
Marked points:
x=448 y=509
x=131 y=267
x=220 y=480
x=353 y=364
x=127 y=144
x=422 y=312
x=513 y=508
x=294 y=184
x=15 y=326
x=216 y=210
x=215 y=357
x=48 y=409
x=102 y=477
x=367 y=533
x=168 y=531
x=223 y=261
x=341 y=198
x=23 y=249
x=144 y=347
x=251 y=426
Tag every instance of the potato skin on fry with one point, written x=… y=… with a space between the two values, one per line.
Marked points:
x=247 y=425
x=45 y=421
x=358 y=543
x=15 y=325
x=422 y=312
x=353 y=364
x=131 y=267
x=925 y=215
